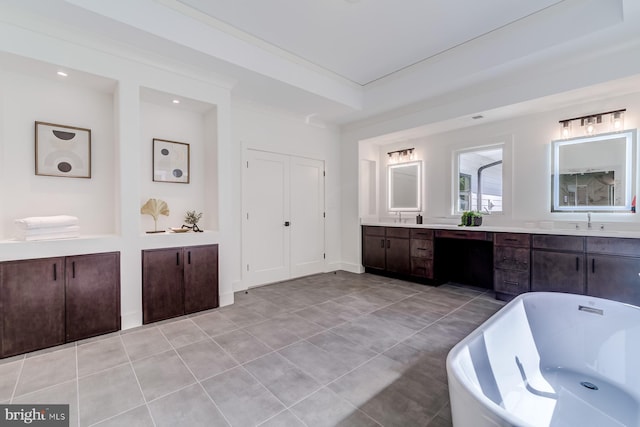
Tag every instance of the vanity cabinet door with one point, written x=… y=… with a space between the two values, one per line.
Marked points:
x=373 y=251
x=162 y=284
x=92 y=295
x=200 y=278
x=398 y=255
x=32 y=305
x=614 y=277
x=558 y=272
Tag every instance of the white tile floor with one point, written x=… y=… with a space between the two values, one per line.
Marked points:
x=326 y=350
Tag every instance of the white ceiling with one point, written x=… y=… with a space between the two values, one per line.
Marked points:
x=366 y=40
x=358 y=62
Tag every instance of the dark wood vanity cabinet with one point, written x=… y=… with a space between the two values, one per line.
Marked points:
x=386 y=249
x=421 y=253
x=32 y=304
x=92 y=295
x=374 y=247
x=49 y=301
x=511 y=263
x=398 y=250
x=178 y=281
x=558 y=264
x=200 y=278
x=613 y=269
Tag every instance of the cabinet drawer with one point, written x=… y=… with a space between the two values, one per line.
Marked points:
x=422 y=267
x=422 y=248
x=512 y=239
x=613 y=246
x=372 y=230
x=402 y=233
x=421 y=233
x=461 y=234
x=511 y=282
x=511 y=258
x=560 y=243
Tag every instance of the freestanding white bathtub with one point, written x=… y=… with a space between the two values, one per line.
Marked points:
x=549 y=359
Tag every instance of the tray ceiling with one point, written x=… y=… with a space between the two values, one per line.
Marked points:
x=365 y=40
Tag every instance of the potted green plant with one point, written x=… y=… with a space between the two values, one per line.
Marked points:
x=192 y=218
x=465 y=219
x=470 y=219
x=476 y=219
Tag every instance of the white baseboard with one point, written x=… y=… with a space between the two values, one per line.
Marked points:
x=351 y=268
x=131 y=320
x=333 y=266
x=226 y=299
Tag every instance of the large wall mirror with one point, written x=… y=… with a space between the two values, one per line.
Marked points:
x=594 y=173
x=404 y=187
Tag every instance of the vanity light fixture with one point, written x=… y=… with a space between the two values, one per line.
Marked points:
x=594 y=124
x=403 y=155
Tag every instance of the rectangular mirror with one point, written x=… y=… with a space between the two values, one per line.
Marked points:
x=593 y=173
x=404 y=187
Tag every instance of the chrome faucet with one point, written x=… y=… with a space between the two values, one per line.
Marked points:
x=589 y=220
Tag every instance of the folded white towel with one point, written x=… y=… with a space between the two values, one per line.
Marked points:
x=52 y=236
x=46 y=221
x=49 y=230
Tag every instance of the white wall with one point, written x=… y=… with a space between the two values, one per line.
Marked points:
x=173 y=124
x=529 y=160
x=27 y=99
x=260 y=129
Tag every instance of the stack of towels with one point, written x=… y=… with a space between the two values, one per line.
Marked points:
x=47 y=227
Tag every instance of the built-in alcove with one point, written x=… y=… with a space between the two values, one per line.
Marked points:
x=186 y=121
x=33 y=91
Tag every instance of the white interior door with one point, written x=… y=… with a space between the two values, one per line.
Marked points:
x=307 y=216
x=283 y=223
x=266 y=245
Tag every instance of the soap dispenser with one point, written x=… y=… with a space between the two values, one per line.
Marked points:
x=419 y=219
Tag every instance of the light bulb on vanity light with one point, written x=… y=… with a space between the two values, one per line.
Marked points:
x=565 y=129
x=617 y=120
x=590 y=125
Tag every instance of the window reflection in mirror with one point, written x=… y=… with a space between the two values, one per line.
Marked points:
x=404 y=187
x=593 y=173
x=479 y=180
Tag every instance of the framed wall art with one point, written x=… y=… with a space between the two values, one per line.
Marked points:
x=63 y=150
x=170 y=161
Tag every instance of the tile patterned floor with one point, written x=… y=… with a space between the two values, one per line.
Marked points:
x=327 y=350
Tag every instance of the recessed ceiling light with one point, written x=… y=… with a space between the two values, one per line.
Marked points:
x=176 y=101
x=62 y=74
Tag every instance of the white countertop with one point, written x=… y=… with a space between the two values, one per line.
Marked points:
x=594 y=232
